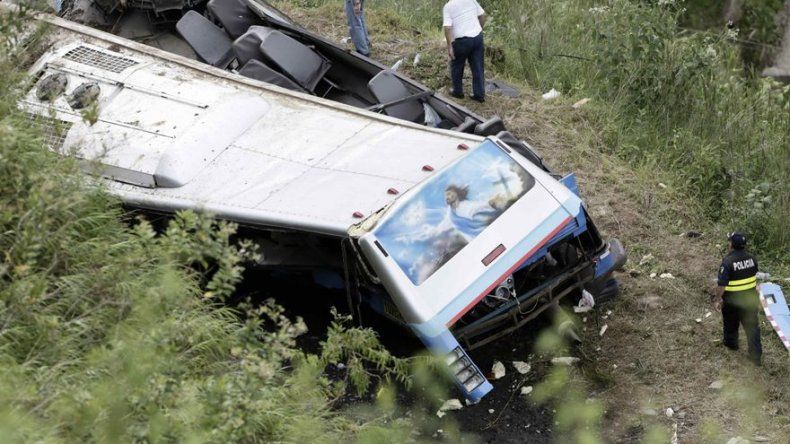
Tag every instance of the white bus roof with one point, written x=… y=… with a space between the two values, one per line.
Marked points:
x=173 y=133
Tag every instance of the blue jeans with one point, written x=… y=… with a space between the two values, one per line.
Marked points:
x=358 y=28
x=471 y=49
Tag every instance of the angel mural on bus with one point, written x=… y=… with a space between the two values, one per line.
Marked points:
x=452 y=209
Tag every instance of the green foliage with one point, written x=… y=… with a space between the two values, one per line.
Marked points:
x=114 y=333
x=675 y=101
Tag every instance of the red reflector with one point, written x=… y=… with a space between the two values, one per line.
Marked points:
x=427 y=168
x=392 y=191
x=493 y=254
x=463 y=146
x=358 y=215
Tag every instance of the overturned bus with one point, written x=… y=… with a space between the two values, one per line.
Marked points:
x=460 y=237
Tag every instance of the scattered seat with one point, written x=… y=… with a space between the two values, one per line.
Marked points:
x=490 y=127
x=465 y=126
x=209 y=42
x=233 y=15
x=274 y=48
x=255 y=69
x=386 y=87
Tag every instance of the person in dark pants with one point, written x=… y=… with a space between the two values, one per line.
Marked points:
x=463 y=22
x=736 y=296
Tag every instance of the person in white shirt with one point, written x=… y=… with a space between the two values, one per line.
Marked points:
x=463 y=22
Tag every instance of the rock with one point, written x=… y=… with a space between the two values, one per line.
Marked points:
x=649 y=412
x=698 y=320
x=490 y=410
x=760 y=438
x=716 y=385
x=667 y=276
x=522 y=367
x=603 y=329
x=564 y=360
x=498 y=370
x=652 y=275
x=551 y=95
x=526 y=390
x=707 y=314
x=669 y=412
x=580 y=103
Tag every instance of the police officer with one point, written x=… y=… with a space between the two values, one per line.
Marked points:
x=736 y=296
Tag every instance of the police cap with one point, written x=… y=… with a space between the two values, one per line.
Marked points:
x=737 y=239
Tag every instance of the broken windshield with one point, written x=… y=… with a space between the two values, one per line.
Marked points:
x=451 y=209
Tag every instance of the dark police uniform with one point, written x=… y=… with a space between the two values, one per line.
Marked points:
x=738 y=276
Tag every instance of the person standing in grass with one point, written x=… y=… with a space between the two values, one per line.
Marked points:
x=355 y=13
x=736 y=296
x=463 y=22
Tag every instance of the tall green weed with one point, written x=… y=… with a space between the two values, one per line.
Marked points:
x=677 y=101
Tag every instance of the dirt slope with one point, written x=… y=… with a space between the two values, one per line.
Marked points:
x=654 y=355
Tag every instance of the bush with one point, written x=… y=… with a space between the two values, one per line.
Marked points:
x=677 y=101
x=114 y=333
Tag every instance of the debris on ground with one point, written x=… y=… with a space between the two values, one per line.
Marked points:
x=498 y=86
x=716 y=385
x=396 y=65
x=564 y=360
x=450 y=404
x=763 y=276
x=674 y=439
x=498 y=370
x=586 y=303
x=649 y=412
x=707 y=314
x=692 y=234
x=669 y=412
x=662 y=185
x=522 y=367
x=646 y=259
x=417 y=58
x=653 y=275
x=651 y=302
x=698 y=320
x=552 y=94
x=526 y=390
x=738 y=440
x=603 y=329
x=667 y=276
x=580 y=103
x=491 y=411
